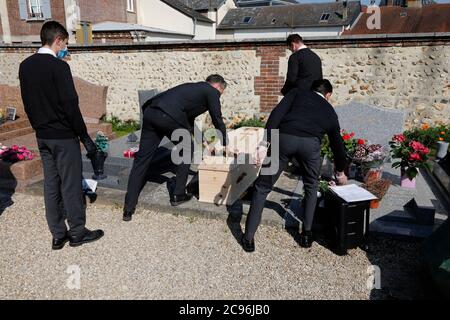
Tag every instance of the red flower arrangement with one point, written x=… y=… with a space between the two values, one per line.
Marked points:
x=412 y=155
x=15 y=153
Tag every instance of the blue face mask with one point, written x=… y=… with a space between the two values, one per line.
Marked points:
x=63 y=53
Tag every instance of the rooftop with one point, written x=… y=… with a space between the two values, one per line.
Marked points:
x=431 y=18
x=300 y=15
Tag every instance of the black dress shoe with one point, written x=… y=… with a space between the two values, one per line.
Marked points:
x=248 y=246
x=87 y=237
x=176 y=200
x=58 y=244
x=306 y=239
x=128 y=214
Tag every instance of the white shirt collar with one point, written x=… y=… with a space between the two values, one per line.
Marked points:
x=320 y=95
x=46 y=51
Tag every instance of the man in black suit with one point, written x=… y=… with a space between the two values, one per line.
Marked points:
x=304 y=66
x=51 y=104
x=171 y=110
x=302 y=118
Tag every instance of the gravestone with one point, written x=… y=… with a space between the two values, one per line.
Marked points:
x=144 y=96
x=376 y=124
x=92 y=100
x=118 y=167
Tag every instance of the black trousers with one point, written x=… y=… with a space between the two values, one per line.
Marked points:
x=63 y=194
x=306 y=151
x=156 y=125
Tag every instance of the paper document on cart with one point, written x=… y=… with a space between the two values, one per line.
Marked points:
x=353 y=193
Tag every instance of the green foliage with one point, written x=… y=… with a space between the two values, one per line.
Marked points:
x=258 y=123
x=429 y=135
x=122 y=128
x=324 y=187
x=101 y=141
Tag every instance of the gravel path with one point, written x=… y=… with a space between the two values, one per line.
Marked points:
x=161 y=256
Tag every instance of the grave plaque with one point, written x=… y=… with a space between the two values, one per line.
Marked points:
x=11 y=113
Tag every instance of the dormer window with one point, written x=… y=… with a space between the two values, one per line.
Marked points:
x=247 y=19
x=325 y=17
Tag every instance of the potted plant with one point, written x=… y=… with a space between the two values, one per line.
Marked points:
x=379 y=189
x=412 y=155
x=370 y=159
x=98 y=160
x=15 y=153
x=350 y=144
x=442 y=146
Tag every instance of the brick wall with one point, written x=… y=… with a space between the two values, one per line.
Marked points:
x=32 y=28
x=269 y=82
x=104 y=10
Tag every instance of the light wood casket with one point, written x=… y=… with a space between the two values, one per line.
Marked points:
x=223 y=180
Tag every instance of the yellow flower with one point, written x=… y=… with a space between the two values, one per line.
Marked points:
x=441 y=139
x=443 y=132
x=425 y=126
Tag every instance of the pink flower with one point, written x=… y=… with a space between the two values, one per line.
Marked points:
x=20 y=157
x=415 y=157
x=399 y=138
x=419 y=147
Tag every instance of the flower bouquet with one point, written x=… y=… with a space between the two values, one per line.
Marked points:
x=98 y=160
x=370 y=159
x=350 y=145
x=412 y=155
x=15 y=153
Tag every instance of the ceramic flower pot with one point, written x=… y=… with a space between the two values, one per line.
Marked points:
x=442 y=149
x=406 y=182
x=98 y=164
x=374 y=204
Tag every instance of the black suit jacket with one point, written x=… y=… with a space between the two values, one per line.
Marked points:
x=185 y=102
x=305 y=113
x=304 y=68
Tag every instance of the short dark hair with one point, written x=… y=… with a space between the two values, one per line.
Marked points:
x=323 y=86
x=294 y=38
x=215 y=78
x=52 y=30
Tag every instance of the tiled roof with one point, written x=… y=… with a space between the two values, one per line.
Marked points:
x=180 y=6
x=300 y=15
x=431 y=18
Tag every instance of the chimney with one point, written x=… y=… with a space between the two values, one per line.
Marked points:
x=345 y=13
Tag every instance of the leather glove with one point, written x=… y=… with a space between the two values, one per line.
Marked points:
x=90 y=146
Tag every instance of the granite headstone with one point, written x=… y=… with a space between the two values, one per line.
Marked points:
x=375 y=124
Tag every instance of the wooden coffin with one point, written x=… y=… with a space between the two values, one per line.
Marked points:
x=223 y=180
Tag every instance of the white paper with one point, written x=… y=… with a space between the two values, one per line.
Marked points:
x=353 y=193
x=91 y=184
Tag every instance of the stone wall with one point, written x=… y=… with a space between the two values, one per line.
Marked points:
x=413 y=76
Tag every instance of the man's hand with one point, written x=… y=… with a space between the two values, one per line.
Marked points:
x=90 y=146
x=229 y=152
x=261 y=154
x=341 y=178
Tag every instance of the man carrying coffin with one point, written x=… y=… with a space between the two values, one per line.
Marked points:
x=173 y=109
x=303 y=117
